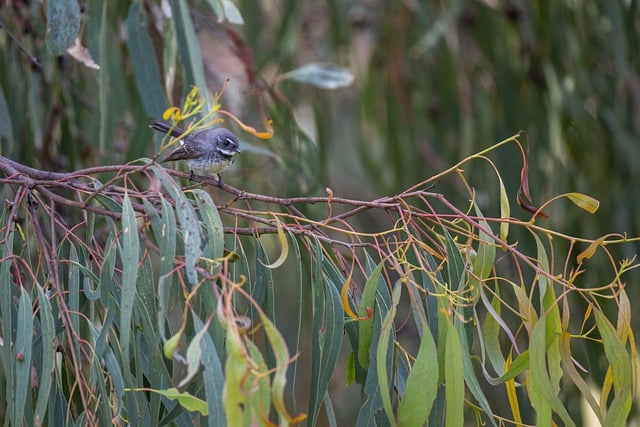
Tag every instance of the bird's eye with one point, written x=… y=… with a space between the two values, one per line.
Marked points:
x=227 y=142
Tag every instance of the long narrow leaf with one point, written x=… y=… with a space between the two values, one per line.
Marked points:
x=47 y=327
x=22 y=355
x=130 y=257
x=422 y=384
x=454 y=378
x=145 y=66
x=384 y=347
x=328 y=323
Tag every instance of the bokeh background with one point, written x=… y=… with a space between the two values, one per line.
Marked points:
x=433 y=82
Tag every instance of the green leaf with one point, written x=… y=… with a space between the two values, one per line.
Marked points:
x=130 y=256
x=471 y=379
x=486 y=254
x=279 y=374
x=383 y=348
x=194 y=356
x=22 y=355
x=188 y=45
x=236 y=372
x=454 y=377
x=47 y=327
x=164 y=229
x=457 y=275
x=143 y=59
x=213 y=377
x=324 y=76
x=505 y=211
x=189 y=224
x=63 y=25
x=621 y=372
x=491 y=335
x=6 y=299
x=544 y=386
x=422 y=384
x=300 y=299
x=74 y=294
x=185 y=399
x=373 y=404
x=213 y=249
x=365 y=327
x=328 y=323
x=213 y=223
x=259 y=398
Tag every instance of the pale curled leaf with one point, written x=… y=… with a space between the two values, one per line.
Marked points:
x=231 y=12
x=226 y=9
x=82 y=55
x=324 y=76
x=194 y=355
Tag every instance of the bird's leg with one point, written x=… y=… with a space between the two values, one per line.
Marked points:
x=190 y=175
x=220 y=181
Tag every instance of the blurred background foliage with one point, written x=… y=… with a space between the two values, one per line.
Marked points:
x=433 y=82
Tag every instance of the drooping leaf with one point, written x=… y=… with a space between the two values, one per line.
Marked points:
x=284 y=246
x=194 y=356
x=422 y=384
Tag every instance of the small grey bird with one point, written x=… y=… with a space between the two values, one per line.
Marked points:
x=207 y=151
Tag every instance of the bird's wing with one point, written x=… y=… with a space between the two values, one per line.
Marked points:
x=179 y=153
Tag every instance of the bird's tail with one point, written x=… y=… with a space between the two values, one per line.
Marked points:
x=165 y=127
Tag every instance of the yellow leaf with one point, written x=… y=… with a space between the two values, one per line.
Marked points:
x=344 y=296
x=585 y=202
x=510 y=385
x=171 y=345
x=173 y=113
x=591 y=249
x=283 y=243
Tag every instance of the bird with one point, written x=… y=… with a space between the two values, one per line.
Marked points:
x=206 y=151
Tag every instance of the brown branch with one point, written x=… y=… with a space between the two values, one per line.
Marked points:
x=45 y=182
